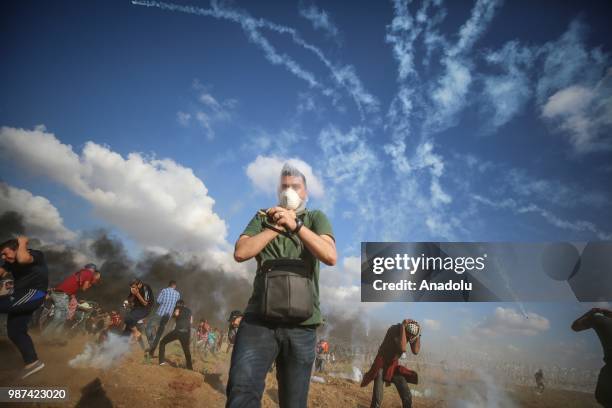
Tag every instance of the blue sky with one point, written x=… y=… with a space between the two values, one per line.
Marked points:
x=458 y=121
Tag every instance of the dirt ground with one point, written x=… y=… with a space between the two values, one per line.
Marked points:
x=136 y=382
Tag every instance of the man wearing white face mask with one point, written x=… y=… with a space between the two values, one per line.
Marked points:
x=280 y=321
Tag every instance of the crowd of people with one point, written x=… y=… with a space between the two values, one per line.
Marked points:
x=56 y=311
x=278 y=326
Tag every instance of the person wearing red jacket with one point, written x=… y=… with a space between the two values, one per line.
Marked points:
x=386 y=368
x=61 y=294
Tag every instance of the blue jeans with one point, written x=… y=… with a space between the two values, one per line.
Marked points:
x=155 y=329
x=258 y=345
x=60 y=314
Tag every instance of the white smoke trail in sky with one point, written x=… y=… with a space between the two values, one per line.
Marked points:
x=344 y=76
x=504 y=277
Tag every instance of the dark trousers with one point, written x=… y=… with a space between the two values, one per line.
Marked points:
x=19 y=308
x=257 y=346
x=402 y=388
x=183 y=338
x=603 y=391
x=158 y=333
x=132 y=318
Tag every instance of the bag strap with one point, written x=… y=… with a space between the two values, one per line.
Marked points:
x=290 y=235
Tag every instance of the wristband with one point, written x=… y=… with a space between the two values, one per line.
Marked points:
x=298 y=225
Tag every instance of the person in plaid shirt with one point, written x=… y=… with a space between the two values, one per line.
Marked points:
x=167 y=301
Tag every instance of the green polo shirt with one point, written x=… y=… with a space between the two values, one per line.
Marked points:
x=282 y=247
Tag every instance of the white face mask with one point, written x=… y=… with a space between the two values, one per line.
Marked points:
x=290 y=200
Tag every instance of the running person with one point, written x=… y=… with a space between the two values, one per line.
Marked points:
x=62 y=293
x=181 y=332
x=141 y=298
x=167 y=302
x=31 y=279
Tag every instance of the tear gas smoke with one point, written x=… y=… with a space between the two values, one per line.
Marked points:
x=103 y=355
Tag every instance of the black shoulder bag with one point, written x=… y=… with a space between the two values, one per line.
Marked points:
x=288 y=295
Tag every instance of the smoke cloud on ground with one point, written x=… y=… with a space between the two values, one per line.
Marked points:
x=103 y=355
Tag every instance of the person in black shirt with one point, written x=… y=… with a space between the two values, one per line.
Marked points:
x=141 y=298
x=31 y=279
x=181 y=332
x=600 y=320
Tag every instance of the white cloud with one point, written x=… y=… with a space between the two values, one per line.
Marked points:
x=348 y=157
x=419 y=110
x=183 y=118
x=570 y=100
x=405 y=29
x=429 y=217
x=449 y=95
x=426 y=158
x=208 y=111
x=40 y=218
x=569 y=90
x=506 y=95
x=481 y=15
x=157 y=202
x=266 y=143
x=351 y=168
x=554 y=191
x=402 y=33
x=584 y=113
x=508 y=321
x=264 y=173
x=320 y=19
x=432 y=324
x=569 y=61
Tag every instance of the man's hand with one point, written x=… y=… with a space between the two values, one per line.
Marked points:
x=23 y=240
x=585 y=321
x=406 y=322
x=283 y=217
x=411 y=336
x=23 y=255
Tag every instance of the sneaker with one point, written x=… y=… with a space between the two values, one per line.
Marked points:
x=163 y=364
x=37 y=366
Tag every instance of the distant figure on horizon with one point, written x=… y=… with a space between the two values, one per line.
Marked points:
x=539 y=379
